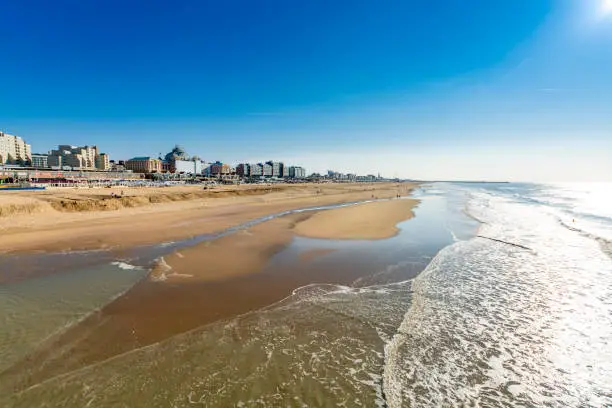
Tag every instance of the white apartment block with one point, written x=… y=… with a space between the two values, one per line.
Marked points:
x=14 y=149
x=79 y=157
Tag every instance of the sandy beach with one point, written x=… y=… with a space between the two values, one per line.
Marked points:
x=212 y=280
x=62 y=220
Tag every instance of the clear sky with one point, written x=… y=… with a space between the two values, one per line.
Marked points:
x=439 y=89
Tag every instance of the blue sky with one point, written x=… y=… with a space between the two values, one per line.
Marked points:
x=513 y=90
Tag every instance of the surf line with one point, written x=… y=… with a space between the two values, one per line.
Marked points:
x=505 y=242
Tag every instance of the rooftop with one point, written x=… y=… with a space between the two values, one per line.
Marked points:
x=143 y=158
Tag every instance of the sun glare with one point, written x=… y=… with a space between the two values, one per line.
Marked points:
x=606 y=6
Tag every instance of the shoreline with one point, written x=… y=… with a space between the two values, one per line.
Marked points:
x=55 y=231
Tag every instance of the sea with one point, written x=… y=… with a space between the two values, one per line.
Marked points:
x=494 y=295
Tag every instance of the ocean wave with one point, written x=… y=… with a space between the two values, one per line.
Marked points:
x=495 y=325
x=606 y=244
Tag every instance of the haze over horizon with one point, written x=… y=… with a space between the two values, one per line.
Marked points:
x=491 y=90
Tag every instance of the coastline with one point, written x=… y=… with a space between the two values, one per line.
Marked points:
x=201 y=284
x=45 y=229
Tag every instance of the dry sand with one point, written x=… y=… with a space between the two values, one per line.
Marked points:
x=33 y=221
x=375 y=220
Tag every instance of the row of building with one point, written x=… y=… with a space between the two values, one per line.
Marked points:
x=270 y=169
x=178 y=161
x=196 y=167
x=350 y=177
x=16 y=153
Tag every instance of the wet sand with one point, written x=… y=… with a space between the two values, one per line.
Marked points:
x=375 y=220
x=237 y=254
x=32 y=224
x=205 y=283
x=308 y=256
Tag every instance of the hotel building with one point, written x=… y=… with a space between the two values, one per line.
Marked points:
x=144 y=165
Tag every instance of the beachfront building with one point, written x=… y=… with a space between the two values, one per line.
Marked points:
x=255 y=170
x=117 y=165
x=337 y=176
x=40 y=161
x=194 y=166
x=14 y=150
x=144 y=165
x=267 y=170
x=54 y=161
x=178 y=161
x=79 y=158
x=176 y=155
x=367 y=179
x=277 y=168
x=102 y=162
x=242 y=170
x=219 y=169
x=296 y=172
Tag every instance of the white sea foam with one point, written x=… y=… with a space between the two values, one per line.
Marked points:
x=494 y=325
x=126 y=266
x=161 y=270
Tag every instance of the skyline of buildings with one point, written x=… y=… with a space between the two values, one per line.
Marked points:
x=15 y=152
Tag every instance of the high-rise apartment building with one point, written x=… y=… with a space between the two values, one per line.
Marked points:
x=242 y=170
x=277 y=168
x=296 y=172
x=255 y=170
x=79 y=157
x=267 y=170
x=14 y=150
